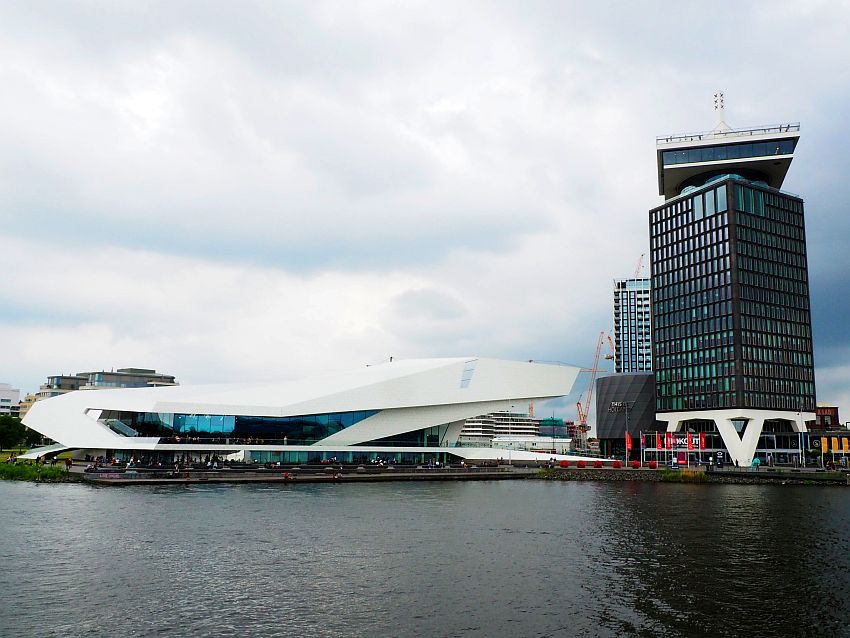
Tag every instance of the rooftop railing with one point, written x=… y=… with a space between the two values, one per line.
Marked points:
x=738 y=132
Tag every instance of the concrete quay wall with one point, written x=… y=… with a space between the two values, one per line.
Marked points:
x=685 y=476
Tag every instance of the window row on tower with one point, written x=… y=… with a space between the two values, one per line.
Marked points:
x=715 y=383
x=775 y=282
x=778 y=313
x=691 y=286
x=708 y=347
x=765 y=401
x=693 y=314
x=697 y=402
x=761 y=295
x=707 y=326
x=681 y=257
x=697 y=271
x=681 y=227
x=796 y=361
x=683 y=302
x=762 y=354
x=777 y=206
x=667 y=365
x=771 y=233
x=722 y=152
x=792 y=327
x=767 y=267
x=772 y=255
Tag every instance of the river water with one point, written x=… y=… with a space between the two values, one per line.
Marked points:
x=503 y=558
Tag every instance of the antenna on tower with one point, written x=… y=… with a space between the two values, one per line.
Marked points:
x=720 y=112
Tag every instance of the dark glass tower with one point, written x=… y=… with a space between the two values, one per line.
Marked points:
x=731 y=326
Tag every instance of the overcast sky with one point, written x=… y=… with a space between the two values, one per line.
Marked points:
x=234 y=191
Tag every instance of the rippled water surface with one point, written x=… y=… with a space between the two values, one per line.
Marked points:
x=513 y=558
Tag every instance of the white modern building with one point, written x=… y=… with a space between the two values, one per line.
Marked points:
x=403 y=411
x=10 y=399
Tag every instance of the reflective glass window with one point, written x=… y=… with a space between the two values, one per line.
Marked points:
x=721 y=198
x=759 y=203
x=709 y=202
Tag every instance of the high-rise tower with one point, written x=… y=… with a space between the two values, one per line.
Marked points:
x=632 y=320
x=732 y=340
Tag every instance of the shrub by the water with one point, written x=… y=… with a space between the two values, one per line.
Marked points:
x=617 y=464
x=597 y=463
x=21 y=472
x=581 y=465
x=683 y=476
x=564 y=463
x=635 y=465
x=653 y=465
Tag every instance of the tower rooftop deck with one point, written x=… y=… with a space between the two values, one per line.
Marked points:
x=716 y=135
x=760 y=152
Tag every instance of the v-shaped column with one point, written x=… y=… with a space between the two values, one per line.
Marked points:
x=741 y=448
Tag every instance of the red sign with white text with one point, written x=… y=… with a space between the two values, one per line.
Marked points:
x=676 y=440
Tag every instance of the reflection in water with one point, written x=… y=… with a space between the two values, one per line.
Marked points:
x=523 y=558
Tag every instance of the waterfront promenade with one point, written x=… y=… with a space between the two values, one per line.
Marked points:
x=372 y=473
x=303 y=474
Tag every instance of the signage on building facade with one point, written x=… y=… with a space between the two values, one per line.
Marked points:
x=620 y=406
x=673 y=440
x=841 y=444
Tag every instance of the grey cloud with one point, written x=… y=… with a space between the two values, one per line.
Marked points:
x=428 y=303
x=501 y=151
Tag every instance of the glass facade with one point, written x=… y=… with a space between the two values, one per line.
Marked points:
x=730 y=300
x=289 y=457
x=728 y=152
x=292 y=430
x=350 y=456
x=426 y=437
x=778 y=443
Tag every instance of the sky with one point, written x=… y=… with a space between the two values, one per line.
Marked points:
x=231 y=191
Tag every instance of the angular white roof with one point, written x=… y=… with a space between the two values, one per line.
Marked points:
x=71 y=418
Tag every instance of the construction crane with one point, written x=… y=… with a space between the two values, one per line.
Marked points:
x=581 y=426
x=639 y=267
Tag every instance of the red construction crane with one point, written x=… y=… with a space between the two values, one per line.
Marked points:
x=584 y=409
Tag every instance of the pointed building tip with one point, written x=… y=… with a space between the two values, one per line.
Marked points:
x=720 y=125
